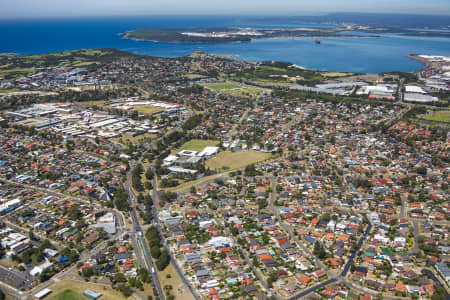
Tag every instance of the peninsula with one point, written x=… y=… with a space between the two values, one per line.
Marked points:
x=226 y=35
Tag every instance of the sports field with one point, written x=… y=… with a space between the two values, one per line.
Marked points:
x=438 y=116
x=73 y=290
x=148 y=109
x=236 y=160
x=233 y=89
x=197 y=145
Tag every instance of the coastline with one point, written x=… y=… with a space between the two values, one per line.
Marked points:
x=127 y=37
x=416 y=57
x=170 y=36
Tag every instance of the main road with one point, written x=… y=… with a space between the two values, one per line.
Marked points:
x=157 y=225
x=139 y=237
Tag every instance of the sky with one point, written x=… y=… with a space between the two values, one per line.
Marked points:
x=11 y=9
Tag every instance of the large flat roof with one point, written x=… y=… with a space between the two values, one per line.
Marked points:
x=42 y=293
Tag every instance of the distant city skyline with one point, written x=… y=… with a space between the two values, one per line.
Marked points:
x=75 y=8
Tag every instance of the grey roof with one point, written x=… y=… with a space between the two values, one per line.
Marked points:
x=202 y=272
x=443 y=268
x=192 y=256
x=119 y=256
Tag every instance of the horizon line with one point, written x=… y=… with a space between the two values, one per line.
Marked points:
x=253 y=15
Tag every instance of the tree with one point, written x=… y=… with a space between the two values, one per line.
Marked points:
x=163 y=261
x=149 y=174
x=121 y=199
x=145 y=277
x=87 y=272
x=119 y=277
x=125 y=290
x=250 y=170
x=148 y=185
x=74 y=213
x=319 y=250
x=325 y=217
x=421 y=170
x=438 y=294
x=155 y=251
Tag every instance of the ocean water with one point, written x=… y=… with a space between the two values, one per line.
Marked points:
x=351 y=54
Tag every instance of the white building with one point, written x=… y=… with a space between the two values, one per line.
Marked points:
x=414 y=89
x=38 y=270
x=209 y=152
x=107 y=222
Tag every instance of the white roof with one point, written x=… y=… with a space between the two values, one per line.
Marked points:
x=419 y=98
x=171 y=158
x=209 y=151
x=50 y=252
x=187 y=152
x=42 y=293
x=182 y=170
x=414 y=89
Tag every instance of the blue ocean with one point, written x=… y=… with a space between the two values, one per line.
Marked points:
x=351 y=54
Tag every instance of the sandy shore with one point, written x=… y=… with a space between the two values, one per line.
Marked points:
x=425 y=62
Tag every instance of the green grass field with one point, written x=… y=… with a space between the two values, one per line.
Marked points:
x=194 y=76
x=3 y=91
x=271 y=69
x=66 y=295
x=16 y=72
x=92 y=103
x=148 y=109
x=221 y=86
x=180 y=290
x=236 y=160
x=73 y=290
x=197 y=145
x=243 y=92
x=438 y=116
x=126 y=138
x=87 y=52
x=233 y=89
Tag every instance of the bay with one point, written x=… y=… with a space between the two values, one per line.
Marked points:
x=347 y=54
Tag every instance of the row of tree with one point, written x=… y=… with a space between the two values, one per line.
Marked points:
x=154 y=240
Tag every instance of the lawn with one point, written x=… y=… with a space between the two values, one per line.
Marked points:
x=2 y=91
x=7 y=263
x=336 y=74
x=236 y=160
x=73 y=290
x=221 y=86
x=243 y=92
x=92 y=103
x=66 y=295
x=179 y=289
x=148 y=109
x=84 y=63
x=438 y=116
x=233 y=89
x=194 y=76
x=197 y=145
x=148 y=290
x=126 y=138
x=91 y=52
x=16 y=72
x=87 y=52
x=271 y=69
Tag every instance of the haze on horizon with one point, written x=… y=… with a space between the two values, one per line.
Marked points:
x=72 y=8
